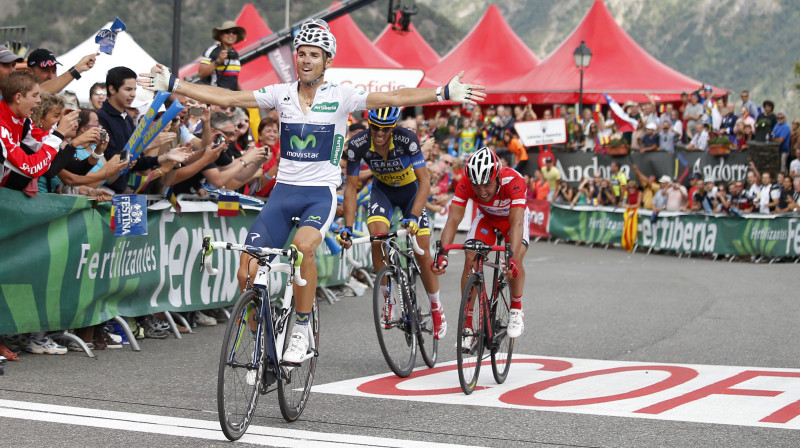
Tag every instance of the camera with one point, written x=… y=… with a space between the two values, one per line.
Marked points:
x=220 y=139
x=103 y=135
x=196 y=111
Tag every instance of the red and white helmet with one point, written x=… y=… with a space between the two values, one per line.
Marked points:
x=483 y=166
x=317 y=33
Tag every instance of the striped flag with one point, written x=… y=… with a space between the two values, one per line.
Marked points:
x=630 y=228
x=173 y=199
x=596 y=110
x=625 y=122
x=112 y=224
x=228 y=205
x=662 y=108
x=135 y=182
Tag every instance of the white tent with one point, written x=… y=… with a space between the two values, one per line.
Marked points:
x=127 y=53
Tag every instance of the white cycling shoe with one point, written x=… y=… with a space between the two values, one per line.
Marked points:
x=297 y=349
x=251 y=377
x=516 y=323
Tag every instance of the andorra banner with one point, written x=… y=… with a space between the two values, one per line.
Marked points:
x=767 y=235
x=62 y=266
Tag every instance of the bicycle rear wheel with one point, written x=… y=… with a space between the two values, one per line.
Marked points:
x=428 y=344
x=398 y=344
x=294 y=387
x=504 y=345
x=469 y=340
x=239 y=368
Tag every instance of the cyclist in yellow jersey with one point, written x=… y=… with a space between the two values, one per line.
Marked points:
x=401 y=180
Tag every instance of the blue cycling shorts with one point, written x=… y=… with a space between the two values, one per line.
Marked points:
x=384 y=198
x=315 y=206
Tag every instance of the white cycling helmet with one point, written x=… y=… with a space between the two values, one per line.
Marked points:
x=483 y=166
x=317 y=33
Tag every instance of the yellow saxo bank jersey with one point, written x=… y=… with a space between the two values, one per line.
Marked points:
x=397 y=169
x=312 y=143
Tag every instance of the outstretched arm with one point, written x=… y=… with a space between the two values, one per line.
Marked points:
x=161 y=79
x=58 y=84
x=455 y=90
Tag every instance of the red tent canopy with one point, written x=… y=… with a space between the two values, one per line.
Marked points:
x=256 y=73
x=407 y=47
x=354 y=49
x=485 y=55
x=618 y=67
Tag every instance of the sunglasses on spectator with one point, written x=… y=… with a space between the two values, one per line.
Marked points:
x=241 y=125
x=377 y=128
x=100 y=93
x=228 y=133
x=230 y=31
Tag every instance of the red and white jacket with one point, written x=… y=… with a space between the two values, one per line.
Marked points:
x=512 y=193
x=16 y=131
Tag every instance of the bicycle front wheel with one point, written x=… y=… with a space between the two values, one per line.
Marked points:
x=503 y=345
x=240 y=367
x=294 y=386
x=428 y=344
x=392 y=323
x=469 y=340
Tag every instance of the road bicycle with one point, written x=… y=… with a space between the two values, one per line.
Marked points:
x=255 y=339
x=483 y=323
x=408 y=325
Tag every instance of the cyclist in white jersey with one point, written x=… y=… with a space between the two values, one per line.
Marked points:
x=313 y=115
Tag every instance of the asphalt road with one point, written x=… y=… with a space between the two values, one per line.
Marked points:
x=581 y=304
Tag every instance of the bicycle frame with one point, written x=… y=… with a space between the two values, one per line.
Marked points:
x=261 y=284
x=391 y=254
x=481 y=253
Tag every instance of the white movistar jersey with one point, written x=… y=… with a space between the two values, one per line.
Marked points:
x=312 y=144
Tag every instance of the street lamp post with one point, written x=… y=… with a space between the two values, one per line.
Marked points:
x=583 y=55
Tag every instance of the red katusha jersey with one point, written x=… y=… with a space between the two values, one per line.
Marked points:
x=512 y=193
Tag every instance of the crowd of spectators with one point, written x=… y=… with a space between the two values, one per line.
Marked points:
x=50 y=144
x=698 y=121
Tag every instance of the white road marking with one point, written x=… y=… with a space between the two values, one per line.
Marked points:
x=744 y=396
x=201 y=429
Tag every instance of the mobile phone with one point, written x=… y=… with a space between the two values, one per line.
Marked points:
x=123 y=156
x=196 y=111
x=219 y=140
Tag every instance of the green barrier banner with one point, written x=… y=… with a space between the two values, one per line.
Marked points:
x=767 y=235
x=63 y=268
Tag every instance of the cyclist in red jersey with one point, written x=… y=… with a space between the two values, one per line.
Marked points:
x=499 y=195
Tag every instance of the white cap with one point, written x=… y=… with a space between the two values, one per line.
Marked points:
x=652 y=126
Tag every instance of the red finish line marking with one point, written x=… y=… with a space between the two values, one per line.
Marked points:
x=745 y=396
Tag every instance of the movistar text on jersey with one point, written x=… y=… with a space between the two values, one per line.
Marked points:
x=302 y=155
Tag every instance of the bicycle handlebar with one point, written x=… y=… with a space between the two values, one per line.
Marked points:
x=209 y=246
x=475 y=246
x=382 y=237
